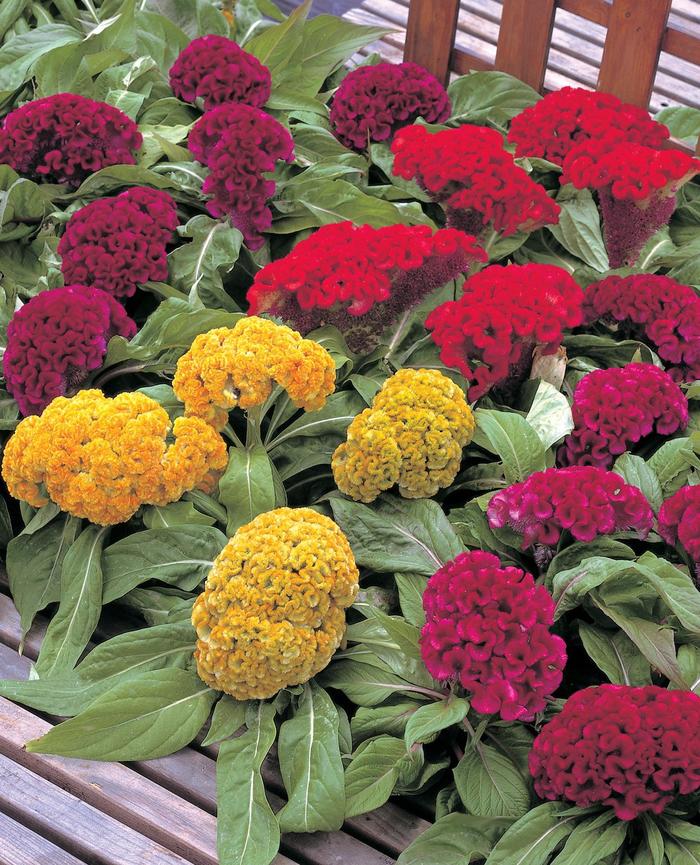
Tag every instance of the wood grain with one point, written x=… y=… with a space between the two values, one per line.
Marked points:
x=430 y=34
x=21 y=846
x=524 y=39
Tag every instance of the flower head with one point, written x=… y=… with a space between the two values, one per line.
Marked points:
x=272 y=612
x=679 y=521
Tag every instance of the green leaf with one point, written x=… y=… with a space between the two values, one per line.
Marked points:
x=193 y=17
x=411 y=588
x=511 y=437
x=174 y=514
x=371 y=776
x=391 y=719
x=683 y=122
x=672 y=464
x=490 y=785
x=22 y=205
x=570 y=587
x=589 y=843
x=637 y=473
x=689 y=662
x=494 y=97
x=335 y=417
x=19 y=54
x=675 y=588
x=550 y=414
x=533 y=839
x=574 y=555
x=578 y=229
x=364 y=683
x=276 y=45
x=616 y=655
x=433 y=718
x=106 y=180
x=335 y=200
x=682 y=852
x=160 y=606
x=450 y=841
x=249 y=486
x=314 y=145
x=381 y=155
x=228 y=717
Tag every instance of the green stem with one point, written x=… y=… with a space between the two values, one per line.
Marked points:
x=230 y=434
x=280 y=407
x=253 y=432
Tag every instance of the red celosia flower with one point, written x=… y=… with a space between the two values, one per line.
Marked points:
x=56 y=339
x=359 y=278
x=490 y=332
x=615 y=408
x=65 y=137
x=551 y=127
x=487 y=628
x=213 y=70
x=239 y=144
x=373 y=101
x=476 y=181
x=679 y=521
x=634 y=749
x=118 y=243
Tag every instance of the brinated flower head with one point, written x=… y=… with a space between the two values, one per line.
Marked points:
x=476 y=181
x=616 y=408
x=229 y=367
x=633 y=749
x=412 y=436
x=118 y=243
x=490 y=332
x=213 y=70
x=487 y=629
x=56 y=339
x=272 y=612
x=360 y=279
x=65 y=137
x=102 y=458
x=679 y=522
x=372 y=102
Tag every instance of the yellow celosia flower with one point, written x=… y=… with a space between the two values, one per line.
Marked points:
x=229 y=367
x=272 y=612
x=412 y=436
x=102 y=458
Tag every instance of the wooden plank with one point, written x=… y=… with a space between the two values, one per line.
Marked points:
x=524 y=38
x=430 y=35
x=21 y=846
x=682 y=44
x=597 y=11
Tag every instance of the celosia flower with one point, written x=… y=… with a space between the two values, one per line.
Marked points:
x=239 y=145
x=654 y=308
x=360 y=279
x=616 y=408
x=487 y=629
x=467 y=171
x=65 y=137
x=229 y=367
x=489 y=333
x=118 y=243
x=272 y=612
x=412 y=436
x=633 y=749
x=552 y=126
x=56 y=339
x=213 y=70
x=372 y=102
x=102 y=458
x=679 y=522
x=583 y=500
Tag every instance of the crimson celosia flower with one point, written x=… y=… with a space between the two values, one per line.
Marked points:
x=467 y=171
x=118 y=243
x=490 y=332
x=66 y=137
x=616 y=408
x=679 y=521
x=56 y=339
x=487 y=628
x=213 y=70
x=373 y=101
x=634 y=749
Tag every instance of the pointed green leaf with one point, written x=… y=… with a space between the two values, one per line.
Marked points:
x=451 y=841
x=433 y=718
x=490 y=785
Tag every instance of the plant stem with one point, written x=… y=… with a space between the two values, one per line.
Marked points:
x=253 y=432
x=230 y=434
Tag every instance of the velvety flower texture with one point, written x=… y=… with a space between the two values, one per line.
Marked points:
x=490 y=332
x=487 y=628
x=56 y=339
x=467 y=171
x=679 y=522
x=373 y=101
x=213 y=70
x=634 y=749
x=118 y=243
x=360 y=279
x=616 y=408
x=66 y=137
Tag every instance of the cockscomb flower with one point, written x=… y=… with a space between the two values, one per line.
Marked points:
x=229 y=367
x=213 y=70
x=118 y=243
x=679 y=522
x=553 y=125
x=489 y=333
x=239 y=145
x=65 y=137
x=487 y=629
x=101 y=458
x=372 y=102
x=56 y=339
x=360 y=279
x=412 y=436
x=477 y=183
x=634 y=749
x=272 y=612
x=616 y=408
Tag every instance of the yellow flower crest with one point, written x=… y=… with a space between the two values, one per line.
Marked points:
x=272 y=612
x=102 y=458
x=412 y=436
x=229 y=367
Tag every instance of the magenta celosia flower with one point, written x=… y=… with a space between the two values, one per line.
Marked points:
x=213 y=70
x=119 y=243
x=679 y=522
x=66 y=137
x=487 y=628
x=633 y=749
x=56 y=339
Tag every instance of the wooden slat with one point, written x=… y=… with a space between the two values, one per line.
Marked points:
x=462 y=62
x=430 y=34
x=21 y=846
x=597 y=11
x=524 y=38
x=682 y=44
